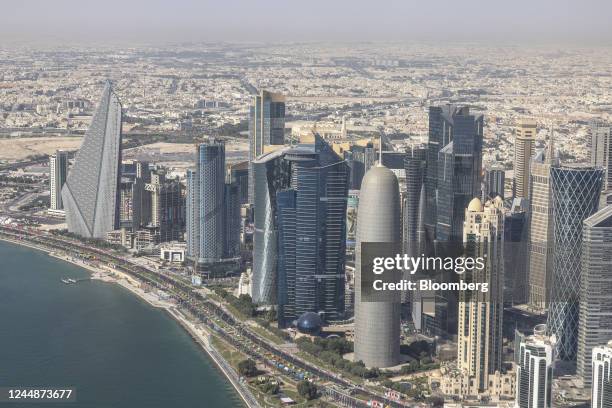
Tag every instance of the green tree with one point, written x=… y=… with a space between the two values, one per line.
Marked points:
x=247 y=368
x=307 y=390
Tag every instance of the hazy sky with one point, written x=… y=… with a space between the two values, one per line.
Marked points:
x=577 y=21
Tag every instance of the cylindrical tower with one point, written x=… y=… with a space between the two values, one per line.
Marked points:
x=575 y=194
x=377 y=324
x=211 y=186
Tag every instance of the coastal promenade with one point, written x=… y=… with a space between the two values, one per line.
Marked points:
x=199 y=306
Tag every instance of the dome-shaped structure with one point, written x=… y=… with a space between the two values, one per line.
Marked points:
x=310 y=323
x=475 y=205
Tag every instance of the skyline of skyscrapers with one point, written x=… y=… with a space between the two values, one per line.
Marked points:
x=91 y=193
x=58 y=171
x=453 y=177
x=300 y=197
x=575 y=196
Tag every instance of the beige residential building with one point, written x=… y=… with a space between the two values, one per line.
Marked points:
x=524 y=146
x=479 y=345
x=540 y=228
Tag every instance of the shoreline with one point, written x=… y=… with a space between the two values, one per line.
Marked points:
x=198 y=335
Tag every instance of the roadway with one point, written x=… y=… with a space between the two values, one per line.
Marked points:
x=200 y=306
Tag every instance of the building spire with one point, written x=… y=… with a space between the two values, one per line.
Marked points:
x=380 y=163
x=550 y=149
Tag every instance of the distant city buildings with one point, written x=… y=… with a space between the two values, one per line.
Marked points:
x=575 y=193
x=524 y=147
x=534 y=359
x=595 y=319
x=58 y=171
x=453 y=177
x=266 y=128
x=91 y=193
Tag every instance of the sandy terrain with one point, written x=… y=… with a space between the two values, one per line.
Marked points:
x=18 y=149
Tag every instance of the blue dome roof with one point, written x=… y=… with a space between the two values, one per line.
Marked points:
x=310 y=323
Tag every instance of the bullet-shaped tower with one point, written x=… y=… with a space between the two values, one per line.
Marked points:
x=377 y=324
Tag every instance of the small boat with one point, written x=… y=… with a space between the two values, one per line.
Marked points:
x=66 y=281
x=71 y=280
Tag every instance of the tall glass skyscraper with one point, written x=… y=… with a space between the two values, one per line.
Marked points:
x=414 y=167
x=266 y=127
x=192 y=214
x=91 y=193
x=575 y=192
x=595 y=320
x=454 y=168
x=452 y=178
x=205 y=204
x=301 y=197
x=272 y=173
x=320 y=185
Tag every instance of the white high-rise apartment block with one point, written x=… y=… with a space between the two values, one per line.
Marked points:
x=534 y=357
x=601 y=391
x=58 y=170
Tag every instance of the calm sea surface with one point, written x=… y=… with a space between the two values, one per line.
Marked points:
x=114 y=348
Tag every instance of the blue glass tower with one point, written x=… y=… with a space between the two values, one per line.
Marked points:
x=300 y=230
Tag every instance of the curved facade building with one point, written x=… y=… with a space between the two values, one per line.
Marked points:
x=271 y=173
x=575 y=196
x=377 y=324
x=91 y=193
